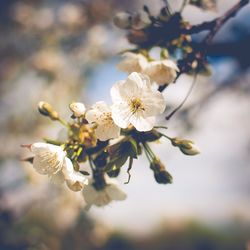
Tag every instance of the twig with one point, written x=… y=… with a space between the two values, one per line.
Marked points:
x=219 y=22
x=128 y=170
x=184 y=3
x=182 y=103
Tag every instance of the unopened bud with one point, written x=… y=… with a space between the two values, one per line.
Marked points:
x=140 y=20
x=46 y=109
x=77 y=108
x=123 y=20
x=160 y=173
x=113 y=173
x=163 y=177
x=187 y=147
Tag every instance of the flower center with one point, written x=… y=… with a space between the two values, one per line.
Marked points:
x=51 y=158
x=135 y=105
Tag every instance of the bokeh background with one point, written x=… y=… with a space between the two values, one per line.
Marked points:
x=62 y=51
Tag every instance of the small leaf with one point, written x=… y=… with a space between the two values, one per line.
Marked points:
x=84 y=172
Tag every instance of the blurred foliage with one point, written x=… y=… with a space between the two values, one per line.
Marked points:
x=37 y=231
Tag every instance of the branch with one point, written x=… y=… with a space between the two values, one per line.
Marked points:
x=219 y=22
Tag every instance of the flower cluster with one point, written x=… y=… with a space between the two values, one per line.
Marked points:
x=110 y=136
x=130 y=119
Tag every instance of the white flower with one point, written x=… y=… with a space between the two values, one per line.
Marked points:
x=162 y=71
x=77 y=108
x=51 y=160
x=136 y=102
x=111 y=192
x=132 y=62
x=102 y=116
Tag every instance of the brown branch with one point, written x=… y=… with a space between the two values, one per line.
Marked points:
x=219 y=22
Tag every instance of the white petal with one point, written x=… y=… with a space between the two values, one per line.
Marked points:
x=90 y=194
x=121 y=114
x=92 y=115
x=153 y=103
x=141 y=123
x=40 y=147
x=132 y=87
x=101 y=106
x=103 y=198
x=116 y=96
x=170 y=64
x=57 y=178
x=76 y=181
x=115 y=192
x=137 y=83
x=48 y=158
x=40 y=166
x=161 y=72
x=77 y=108
x=132 y=62
x=68 y=167
x=107 y=131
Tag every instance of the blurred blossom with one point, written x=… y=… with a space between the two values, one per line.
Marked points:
x=71 y=15
x=50 y=61
x=22 y=13
x=44 y=18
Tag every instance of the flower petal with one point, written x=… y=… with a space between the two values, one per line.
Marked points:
x=107 y=131
x=153 y=103
x=141 y=123
x=116 y=91
x=115 y=192
x=90 y=194
x=57 y=178
x=121 y=114
x=68 y=168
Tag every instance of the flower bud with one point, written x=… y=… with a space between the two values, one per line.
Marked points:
x=114 y=172
x=187 y=147
x=123 y=20
x=160 y=174
x=163 y=177
x=140 y=20
x=46 y=109
x=77 y=108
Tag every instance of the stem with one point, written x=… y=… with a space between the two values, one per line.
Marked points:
x=219 y=22
x=163 y=127
x=64 y=123
x=91 y=164
x=54 y=142
x=169 y=138
x=149 y=151
x=129 y=168
x=185 y=99
x=147 y=154
x=184 y=3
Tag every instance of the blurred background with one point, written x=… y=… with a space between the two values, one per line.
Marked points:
x=61 y=51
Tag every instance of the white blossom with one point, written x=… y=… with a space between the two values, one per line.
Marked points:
x=101 y=114
x=136 y=102
x=162 y=71
x=77 y=108
x=111 y=192
x=51 y=160
x=48 y=159
x=133 y=62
